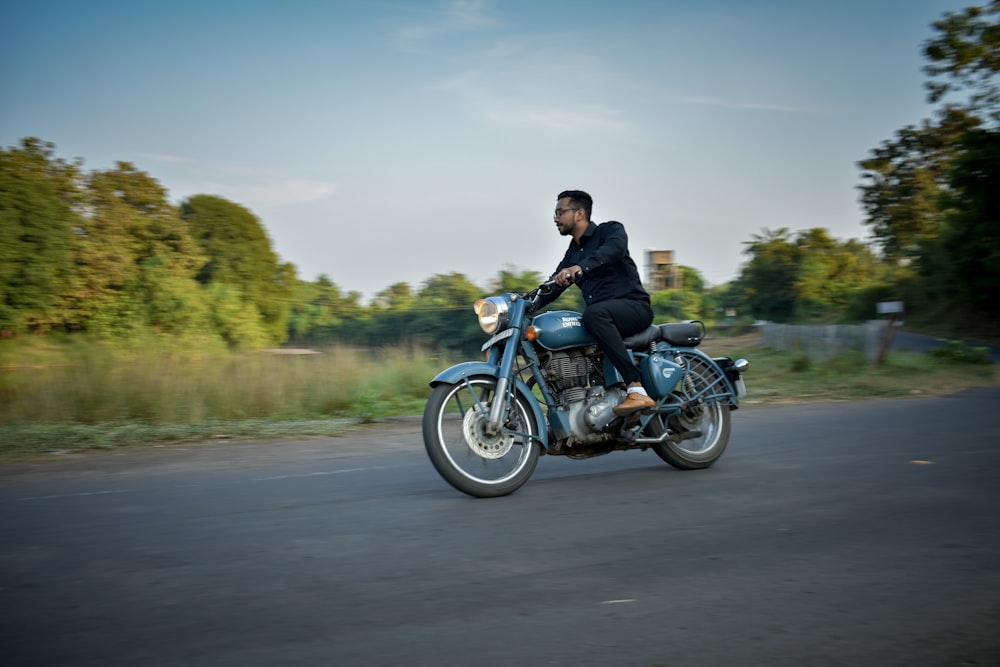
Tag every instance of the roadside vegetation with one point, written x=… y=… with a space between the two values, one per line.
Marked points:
x=58 y=398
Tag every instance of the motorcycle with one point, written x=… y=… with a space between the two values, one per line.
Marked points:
x=546 y=388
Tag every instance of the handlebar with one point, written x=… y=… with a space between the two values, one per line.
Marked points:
x=545 y=288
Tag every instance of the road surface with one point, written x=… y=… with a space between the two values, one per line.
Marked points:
x=856 y=533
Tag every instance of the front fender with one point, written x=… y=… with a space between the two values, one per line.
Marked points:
x=468 y=369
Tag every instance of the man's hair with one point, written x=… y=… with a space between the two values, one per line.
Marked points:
x=578 y=198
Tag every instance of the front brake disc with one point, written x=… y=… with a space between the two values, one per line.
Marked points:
x=484 y=445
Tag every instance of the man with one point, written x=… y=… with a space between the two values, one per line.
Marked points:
x=599 y=263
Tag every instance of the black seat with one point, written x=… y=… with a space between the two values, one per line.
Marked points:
x=644 y=339
x=689 y=334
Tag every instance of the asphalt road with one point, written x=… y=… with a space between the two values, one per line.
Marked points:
x=862 y=533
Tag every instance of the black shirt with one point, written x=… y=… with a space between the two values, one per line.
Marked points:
x=608 y=270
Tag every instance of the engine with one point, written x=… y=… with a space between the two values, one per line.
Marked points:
x=570 y=373
x=576 y=378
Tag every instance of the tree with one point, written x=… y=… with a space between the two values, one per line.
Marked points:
x=396 y=297
x=239 y=254
x=808 y=277
x=517 y=282
x=687 y=303
x=444 y=315
x=768 y=279
x=966 y=259
x=126 y=224
x=320 y=312
x=905 y=180
x=830 y=273
x=965 y=58
x=36 y=224
x=928 y=193
x=671 y=305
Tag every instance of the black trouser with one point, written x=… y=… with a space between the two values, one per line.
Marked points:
x=611 y=321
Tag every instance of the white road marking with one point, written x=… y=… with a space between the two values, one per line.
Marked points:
x=76 y=495
x=316 y=474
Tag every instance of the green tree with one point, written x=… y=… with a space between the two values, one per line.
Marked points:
x=672 y=305
x=235 y=319
x=444 y=315
x=511 y=280
x=926 y=193
x=396 y=297
x=322 y=313
x=966 y=261
x=174 y=304
x=239 y=254
x=830 y=273
x=687 y=303
x=964 y=60
x=904 y=181
x=127 y=223
x=768 y=279
x=36 y=223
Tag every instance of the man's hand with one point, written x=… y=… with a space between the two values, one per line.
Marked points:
x=568 y=275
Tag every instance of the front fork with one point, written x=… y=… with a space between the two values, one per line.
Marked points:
x=498 y=407
x=507 y=359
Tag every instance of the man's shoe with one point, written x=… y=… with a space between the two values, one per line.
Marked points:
x=634 y=402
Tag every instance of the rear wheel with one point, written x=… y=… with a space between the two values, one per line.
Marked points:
x=703 y=428
x=464 y=451
x=705 y=431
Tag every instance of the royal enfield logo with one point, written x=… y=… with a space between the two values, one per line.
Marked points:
x=571 y=322
x=667 y=372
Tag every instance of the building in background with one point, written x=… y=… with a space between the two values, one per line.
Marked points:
x=661 y=272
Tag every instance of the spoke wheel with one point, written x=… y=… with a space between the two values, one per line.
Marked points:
x=466 y=452
x=710 y=420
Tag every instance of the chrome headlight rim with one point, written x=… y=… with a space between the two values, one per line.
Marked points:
x=493 y=313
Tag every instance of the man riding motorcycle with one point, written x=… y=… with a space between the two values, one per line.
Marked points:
x=618 y=306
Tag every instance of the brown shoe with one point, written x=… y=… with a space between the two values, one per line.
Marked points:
x=634 y=402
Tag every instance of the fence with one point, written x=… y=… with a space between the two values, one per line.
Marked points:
x=823 y=342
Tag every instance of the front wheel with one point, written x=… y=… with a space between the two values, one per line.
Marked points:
x=461 y=447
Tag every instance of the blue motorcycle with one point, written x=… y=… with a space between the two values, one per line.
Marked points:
x=545 y=387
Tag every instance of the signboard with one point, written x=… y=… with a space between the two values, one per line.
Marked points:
x=889 y=307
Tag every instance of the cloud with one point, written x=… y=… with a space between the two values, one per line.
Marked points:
x=455 y=16
x=727 y=104
x=292 y=191
x=576 y=120
x=470 y=14
x=169 y=159
x=508 y=79
x=282 y=192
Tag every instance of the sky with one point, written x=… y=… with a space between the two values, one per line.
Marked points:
x=381 y=142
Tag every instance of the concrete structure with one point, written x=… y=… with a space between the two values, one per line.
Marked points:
x=661 y=272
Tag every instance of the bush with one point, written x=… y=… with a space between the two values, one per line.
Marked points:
x=956 y=351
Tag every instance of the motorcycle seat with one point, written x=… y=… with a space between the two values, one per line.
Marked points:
x=644 y=339
x=687 y=334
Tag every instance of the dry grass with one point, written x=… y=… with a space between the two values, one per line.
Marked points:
x=63 y=397
x=783 y=377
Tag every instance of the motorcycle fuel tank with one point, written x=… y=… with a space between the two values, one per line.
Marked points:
x=561 y=329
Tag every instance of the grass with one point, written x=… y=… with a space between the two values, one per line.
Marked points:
x=59 y=397
x=787 y=377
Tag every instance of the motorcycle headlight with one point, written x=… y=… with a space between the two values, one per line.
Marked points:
x=493 y=312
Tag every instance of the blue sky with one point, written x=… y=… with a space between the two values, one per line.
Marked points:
x=384 y=142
